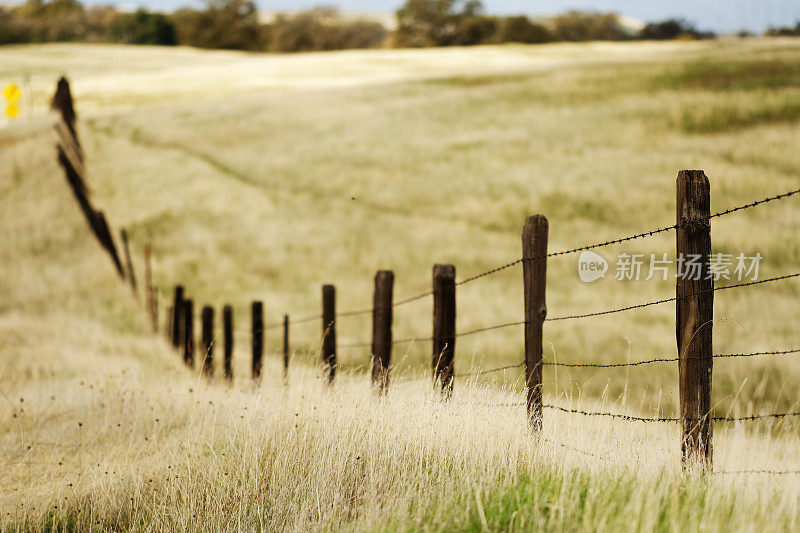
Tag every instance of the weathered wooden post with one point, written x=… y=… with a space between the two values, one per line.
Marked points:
x=695 y=314
x=131 y=275
x=152 y=295
x=208 y=341
x=227 y=324
x=444 y=326
x=177 y=317
x=71 y=159
x=534 y=276
x=285 y=346
x=382 y=329
x=188 y=333
x=257 y=312
x=329 y=331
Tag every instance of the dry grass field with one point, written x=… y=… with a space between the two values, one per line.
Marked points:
x=263 y=177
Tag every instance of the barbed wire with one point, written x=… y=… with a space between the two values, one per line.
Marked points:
x=675 y=298
x=572 y=448
x=746 y=472
x=620 y=240
x=754 y=204
x=664 y=360
x=589 y=315
x=620 y=365
x=609 y=415
x=490 y=371
x=359 y=312
x=670 y=419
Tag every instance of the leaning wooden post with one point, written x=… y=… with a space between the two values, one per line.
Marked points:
x=227 y=325
x=208 y=341
x=152 y=296
x=188 y=333
x=534 y=277
x=329 y=331
x=444 y=326
x=177 y=317
x=382 y=329
x=257 y=312
x=128 y=262
x=695 y=314
x=285 y=346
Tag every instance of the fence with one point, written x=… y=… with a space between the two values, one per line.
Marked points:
x=694 y=321
x=694 y=301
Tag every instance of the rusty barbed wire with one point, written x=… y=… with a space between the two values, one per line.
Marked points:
x=675 y=298
x=670 y=419
x=754 y=204
x=589 y=315
x=620 y=240
x=747 y=472
x=489 y=371
x=665 y=360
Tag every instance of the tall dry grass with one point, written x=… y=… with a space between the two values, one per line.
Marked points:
x=293 y=174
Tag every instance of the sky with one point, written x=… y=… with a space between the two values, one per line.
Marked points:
x=718 y=15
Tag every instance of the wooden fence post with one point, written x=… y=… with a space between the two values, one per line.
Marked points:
x=444 y=326
x=188 y=333
x=131 y=275
x=285 y=346
x=695 y=314
x=257 y=312
x=227 y=324
x=534 y=276
x=152 y=296
x=208 y=341
x=329 y=331
x=107 y=241
x=177 y=317
x=382 y=329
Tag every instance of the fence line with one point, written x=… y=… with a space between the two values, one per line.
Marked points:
x=516 y=262
x=693 y=235
x=574 y=317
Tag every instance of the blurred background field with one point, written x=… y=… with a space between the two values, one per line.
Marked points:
x=263 y=177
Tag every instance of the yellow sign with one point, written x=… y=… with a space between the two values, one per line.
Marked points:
x=12 y=93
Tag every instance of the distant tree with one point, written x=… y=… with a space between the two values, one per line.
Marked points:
x=12 y=31
x=474 y=29
x=522 y=30
x=441 y=23
x=99 y=20
x=588 y=26
x=671 y=29
x=786 y=31
x=229 y=24
x=143 y=27
x=57 y=20
x=322 y=29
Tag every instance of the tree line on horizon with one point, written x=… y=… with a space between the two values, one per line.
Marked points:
x=236 y=25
